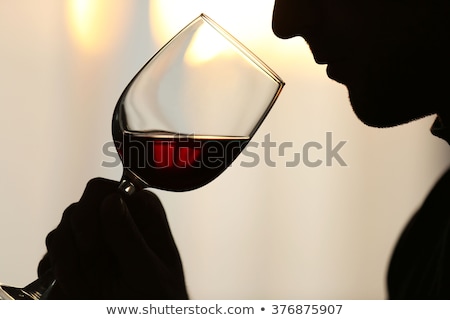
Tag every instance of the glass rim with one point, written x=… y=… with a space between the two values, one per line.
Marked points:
x=245 y=51
x=240 y=46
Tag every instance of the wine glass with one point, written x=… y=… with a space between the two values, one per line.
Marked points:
x=184 y=117
x=191 y=110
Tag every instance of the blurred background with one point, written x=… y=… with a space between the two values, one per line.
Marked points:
x=254 y=233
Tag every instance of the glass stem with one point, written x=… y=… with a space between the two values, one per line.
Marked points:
x=127 y=187
x=130 y=183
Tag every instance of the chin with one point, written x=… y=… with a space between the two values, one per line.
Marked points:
x=391 y=92
x=387 y=110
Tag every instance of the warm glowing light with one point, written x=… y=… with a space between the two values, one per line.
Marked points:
x=167 y=17
x=96 y=24
x=206 y=45
x=249 y=21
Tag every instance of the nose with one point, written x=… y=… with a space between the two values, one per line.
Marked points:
x=293 y=17
x=282 y=20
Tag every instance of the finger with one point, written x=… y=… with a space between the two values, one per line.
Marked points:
x=63 y=254
x=56 y=293
x=151 y=220
x=125 y=241
x=85 y=220
x=86 y=233
x=148 y=273
x=44 y=265
x=96 y=190
x=75 y=247
x=44 y=270
x=85 y=223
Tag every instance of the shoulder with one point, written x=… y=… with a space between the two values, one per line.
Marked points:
x=420 y=264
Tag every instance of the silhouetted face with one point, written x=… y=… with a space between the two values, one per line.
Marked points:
x=391 y=54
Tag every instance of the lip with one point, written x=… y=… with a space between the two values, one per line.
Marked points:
x=340 y=66
x=339 y=70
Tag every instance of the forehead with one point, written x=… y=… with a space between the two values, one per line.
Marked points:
x=357 y=10
x=350 y=4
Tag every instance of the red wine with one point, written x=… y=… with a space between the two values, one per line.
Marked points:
x=178 y=162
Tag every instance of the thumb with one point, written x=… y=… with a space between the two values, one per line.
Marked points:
x=150 y=218
x=137 y=257
x=124 y=240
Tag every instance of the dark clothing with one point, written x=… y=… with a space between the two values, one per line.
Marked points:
x=420 y=264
